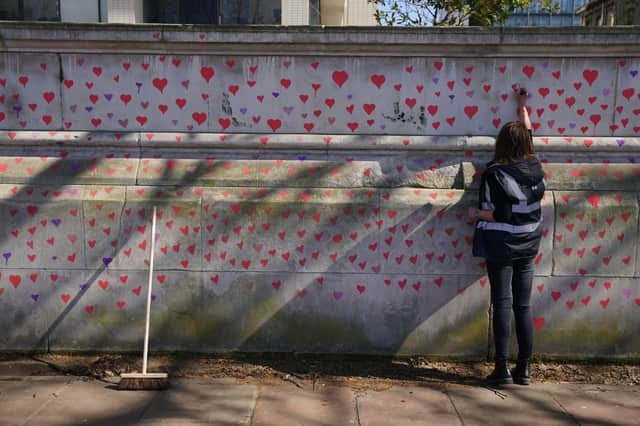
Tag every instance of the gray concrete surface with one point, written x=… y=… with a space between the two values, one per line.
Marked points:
x=312 y=186
x=56 y=400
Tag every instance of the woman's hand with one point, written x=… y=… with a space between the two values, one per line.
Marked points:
x=486 y=215
x=473 y=213
x=522 y=96
x=523 y=113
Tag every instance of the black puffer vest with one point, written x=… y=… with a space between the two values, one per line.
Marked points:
x=517 y=192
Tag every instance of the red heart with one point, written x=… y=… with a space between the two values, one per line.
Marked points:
x=199 y=117
x=48 y=96
x=378 y=80
x=470 y=111
x=528 y=70
x=160 y=83
x=340 y=77
x=207 y=73
x=594 y=200
x=590 y=76
x=224 y=123
x=274 y=123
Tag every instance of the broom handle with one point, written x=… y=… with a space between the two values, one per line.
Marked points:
x=146 y=325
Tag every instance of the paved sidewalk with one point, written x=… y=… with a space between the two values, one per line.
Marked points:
x=60 y=400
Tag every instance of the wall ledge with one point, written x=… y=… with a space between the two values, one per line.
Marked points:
x=312 y=142
x=318 y=40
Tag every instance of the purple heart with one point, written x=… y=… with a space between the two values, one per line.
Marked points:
x=88 y=109
x=275 y=94
x=572 y=125
x=435 y=80
x=6 y=257
x=383 y=126
x=72 y=191
x=422 y=162
x=153 y=297
x=287 y=109
x=108 y=96
x=138 y=85
x=436 y=138
x=106 y=261
x=75 y=166
x=35 y=297
x=302 y=157
x=626 y=292
x=349 y=96
x=632 y=160
x=174 y=122
x=620 y=142
x=243 y=110
x=606 y=92
x=83 y=286
x=56 y=222
x=17 y=109
x=633 y=73
x=545 y=65
x=337 y=295
x=452 y=97
x=110 y=115
x=54 y=257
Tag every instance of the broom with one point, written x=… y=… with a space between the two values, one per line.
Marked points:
x=144 y=380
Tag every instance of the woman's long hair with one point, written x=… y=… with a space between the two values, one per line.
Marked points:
x=514 y=143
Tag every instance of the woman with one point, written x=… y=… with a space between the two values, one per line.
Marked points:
x=508 y=232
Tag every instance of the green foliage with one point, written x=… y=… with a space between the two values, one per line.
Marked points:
x=415 y=13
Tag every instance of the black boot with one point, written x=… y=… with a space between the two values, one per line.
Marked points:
x=521 y=372
x=500 y=374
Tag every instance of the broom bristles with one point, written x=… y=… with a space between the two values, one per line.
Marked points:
x=139 y=381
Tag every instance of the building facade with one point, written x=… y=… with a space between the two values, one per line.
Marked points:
x=610 y=12
x=216 y=12
x=535 y=16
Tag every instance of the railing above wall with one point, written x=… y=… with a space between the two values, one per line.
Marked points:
x=320 y=40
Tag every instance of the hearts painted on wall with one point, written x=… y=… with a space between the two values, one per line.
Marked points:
x=450 y=96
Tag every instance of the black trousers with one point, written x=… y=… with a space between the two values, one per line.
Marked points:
x=511 y=283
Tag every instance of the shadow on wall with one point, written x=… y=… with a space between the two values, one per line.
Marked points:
x=286 y=268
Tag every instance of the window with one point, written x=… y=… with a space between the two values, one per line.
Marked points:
x=212 y=11
x=30 y=10
x=250 y=12
x=314 y=12
x=181 y=12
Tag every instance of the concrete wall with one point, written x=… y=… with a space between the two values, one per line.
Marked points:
x=307 y=202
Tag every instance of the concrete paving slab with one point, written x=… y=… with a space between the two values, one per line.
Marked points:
x=599 y=405
x=284 y=405
x=92 y=402
x=197 y=401
x=511 y=405
x=407 y=405
x=20 y=398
